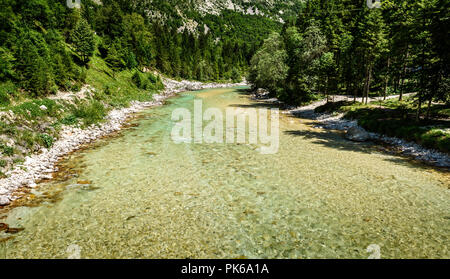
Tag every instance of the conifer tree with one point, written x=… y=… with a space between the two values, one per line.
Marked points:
x=83 y=40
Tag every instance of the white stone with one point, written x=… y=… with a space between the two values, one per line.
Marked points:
x=4 y=200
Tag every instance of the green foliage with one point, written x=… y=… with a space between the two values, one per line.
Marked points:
x=115 y=60
x=6 y=150
x=90 y=111
x=343 y=47
x=236 y=75
x=69 y=120
x=44 y=46
x=83 y=39
x=333 y=107
x=396 y=123
x=6 y=64
x=7 y=92
x=310 y=64
x=147 y=81
x=32 y=110
x=268 y=67
x=138 y=80
x=45 y=140
x=7 y=129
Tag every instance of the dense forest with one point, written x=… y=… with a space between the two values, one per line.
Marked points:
x=298 y=50
x=345 y=47
x=46 y=46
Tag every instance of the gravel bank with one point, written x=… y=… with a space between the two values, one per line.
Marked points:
x=41 y=166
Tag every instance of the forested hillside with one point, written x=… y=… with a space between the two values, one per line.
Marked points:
x=344 y=47
x=45 y=46
x=63 y=65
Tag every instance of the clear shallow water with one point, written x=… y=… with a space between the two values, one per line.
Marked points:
x=320 y=196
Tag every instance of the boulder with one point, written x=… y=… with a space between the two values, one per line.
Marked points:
x=4 y=201
x=357 y=134
x=262 y=93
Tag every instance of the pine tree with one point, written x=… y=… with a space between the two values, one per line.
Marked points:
x=114 y=60
x=372 y=43
x=83 y=39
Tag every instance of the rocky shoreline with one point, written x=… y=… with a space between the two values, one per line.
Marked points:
x=338 y=122
x=41 y=166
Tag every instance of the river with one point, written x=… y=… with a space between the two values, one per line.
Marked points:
x=140 y=195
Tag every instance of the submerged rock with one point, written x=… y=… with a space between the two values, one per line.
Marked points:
x=357 y=134
x=84 y=182
x=3 y=227
x=14 y=230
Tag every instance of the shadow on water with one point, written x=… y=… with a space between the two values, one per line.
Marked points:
x=244 y=91
x=332 y=140
x=266 y=105
x=259 y=104
x=335 y=140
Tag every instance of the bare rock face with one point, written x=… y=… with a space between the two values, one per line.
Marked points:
x=357 y=134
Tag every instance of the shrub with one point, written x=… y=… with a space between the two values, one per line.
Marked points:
x=7 y=129
x=6 y=150
x=332 y=107
x=147 y=81
x=154 y=82
x=69 y=120
x=431 y=138
x=91 y=112
x=138 y=80
x=76 y=87
x=27 y=138
x=7 y=91
x=236 y=75
x=46 y=140
x=32 y=110
x=107 y=90
x=443 y=144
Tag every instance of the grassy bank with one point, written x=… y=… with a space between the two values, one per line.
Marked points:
x=398 y=119
x=28 y=125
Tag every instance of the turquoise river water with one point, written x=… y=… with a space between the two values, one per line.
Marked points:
x=140 y=195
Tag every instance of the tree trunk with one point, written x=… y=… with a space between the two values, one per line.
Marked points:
x=367 y=85
x=386 y=80
x=419 y=106
x=429 y=108
x=422 y=75
x=403 y=75
x=396 y=82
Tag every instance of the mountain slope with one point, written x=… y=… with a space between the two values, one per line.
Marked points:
x=185 y=11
